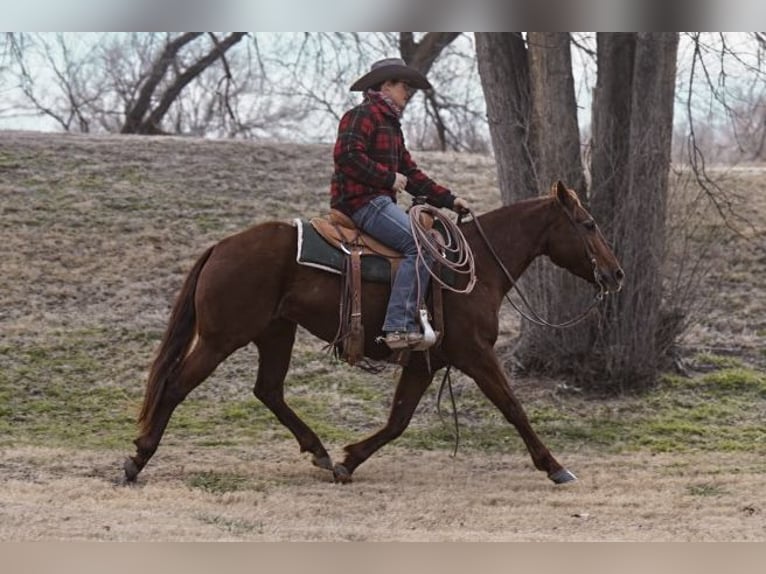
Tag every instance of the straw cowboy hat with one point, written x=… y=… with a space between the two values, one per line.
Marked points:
x=391 y=69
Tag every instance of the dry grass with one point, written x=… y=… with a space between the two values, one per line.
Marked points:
x=731 y=315
x=97 y=235
x=261 y=494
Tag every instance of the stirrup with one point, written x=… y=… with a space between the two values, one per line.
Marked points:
x=429 y=335
x=400 y=340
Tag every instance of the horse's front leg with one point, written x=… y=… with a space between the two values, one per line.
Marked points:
x=413 y=382
x=485 y=369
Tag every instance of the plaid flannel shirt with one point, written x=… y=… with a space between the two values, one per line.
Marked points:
x=369 y=152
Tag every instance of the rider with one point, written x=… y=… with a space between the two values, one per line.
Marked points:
x=372 y=165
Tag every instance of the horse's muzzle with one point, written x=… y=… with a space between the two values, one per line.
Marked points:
x=610 y=281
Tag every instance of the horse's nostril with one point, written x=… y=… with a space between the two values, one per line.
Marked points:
x=619 y=274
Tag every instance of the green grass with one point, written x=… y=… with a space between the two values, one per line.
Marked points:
x=706 y=489
x=718 y=411
x=64 y=392
x=230 y=525
x=715 y=361
x=220 y=482
x=70 y=391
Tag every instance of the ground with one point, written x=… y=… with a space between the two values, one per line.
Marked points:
x=267 y=493
x=97 y=235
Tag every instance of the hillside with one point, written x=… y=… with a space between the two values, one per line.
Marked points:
x=116 y=221
x=97 y=235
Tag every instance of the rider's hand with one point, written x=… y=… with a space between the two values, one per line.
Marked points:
x=461 y=206
x=400 y=182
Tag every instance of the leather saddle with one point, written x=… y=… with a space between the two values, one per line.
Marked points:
x=340 y=231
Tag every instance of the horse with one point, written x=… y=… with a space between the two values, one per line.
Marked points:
x=248 y=288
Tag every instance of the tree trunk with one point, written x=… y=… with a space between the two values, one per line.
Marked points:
x=504 y=74
x=555 y=133
x=555 y=137
x=612 y=103
x=633 y=119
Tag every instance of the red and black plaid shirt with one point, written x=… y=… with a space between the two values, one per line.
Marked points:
x=368 y=153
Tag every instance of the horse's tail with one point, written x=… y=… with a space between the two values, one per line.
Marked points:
x=176 y=343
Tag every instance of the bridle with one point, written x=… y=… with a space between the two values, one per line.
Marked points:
x=530 y=314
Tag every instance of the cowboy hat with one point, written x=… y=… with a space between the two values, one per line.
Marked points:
x=391 y=69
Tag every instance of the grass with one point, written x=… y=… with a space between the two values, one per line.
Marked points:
x=718 y=411
x=706 y=489
x=65 y=391
x=220 y=482
x=229 y=525
x=94 y=256
x=711 y=360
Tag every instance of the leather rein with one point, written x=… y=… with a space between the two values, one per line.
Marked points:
x=530 y=314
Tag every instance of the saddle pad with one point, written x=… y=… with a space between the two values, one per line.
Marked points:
x=314 y=251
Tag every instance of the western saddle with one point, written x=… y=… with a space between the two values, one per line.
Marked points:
x=339 y=230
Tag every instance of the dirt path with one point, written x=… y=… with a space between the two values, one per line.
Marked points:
x=270 y=494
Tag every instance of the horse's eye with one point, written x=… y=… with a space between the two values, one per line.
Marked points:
x=589 y=224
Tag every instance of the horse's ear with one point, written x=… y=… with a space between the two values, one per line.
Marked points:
x=563 y=195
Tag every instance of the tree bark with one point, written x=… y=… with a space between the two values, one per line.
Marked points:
x=631 y=160
x=555 y=139
x=504 y=73
x=555 y=132
x=612 y=102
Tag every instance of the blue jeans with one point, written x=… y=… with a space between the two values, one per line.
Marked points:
x=387 y=223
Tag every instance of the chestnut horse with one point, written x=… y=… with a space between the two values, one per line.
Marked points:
x=249 y=288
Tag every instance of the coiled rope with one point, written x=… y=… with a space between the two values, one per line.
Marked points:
x=452 y=253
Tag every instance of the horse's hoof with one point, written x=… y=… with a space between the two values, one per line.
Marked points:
x=323 y=462
x=341 y=474
x=562 y=476
x=131 y=470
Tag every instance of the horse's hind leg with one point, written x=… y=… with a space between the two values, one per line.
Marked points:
x=275 y=346
x=413 y=382
x=196 y=367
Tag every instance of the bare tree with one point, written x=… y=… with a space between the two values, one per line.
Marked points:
x=158 y=91
x=725 y=100
x=319 y=67
x=539 y=112
x=66 y=73
x=279 y=86
x=421 y=56
x=6 y=46
x=128 y=83
x=534 y=129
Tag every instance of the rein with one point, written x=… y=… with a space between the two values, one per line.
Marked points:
x=465 y=258
x=531 y=315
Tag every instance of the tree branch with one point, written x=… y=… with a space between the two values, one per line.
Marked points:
x=183 y=79
x=133 y=118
